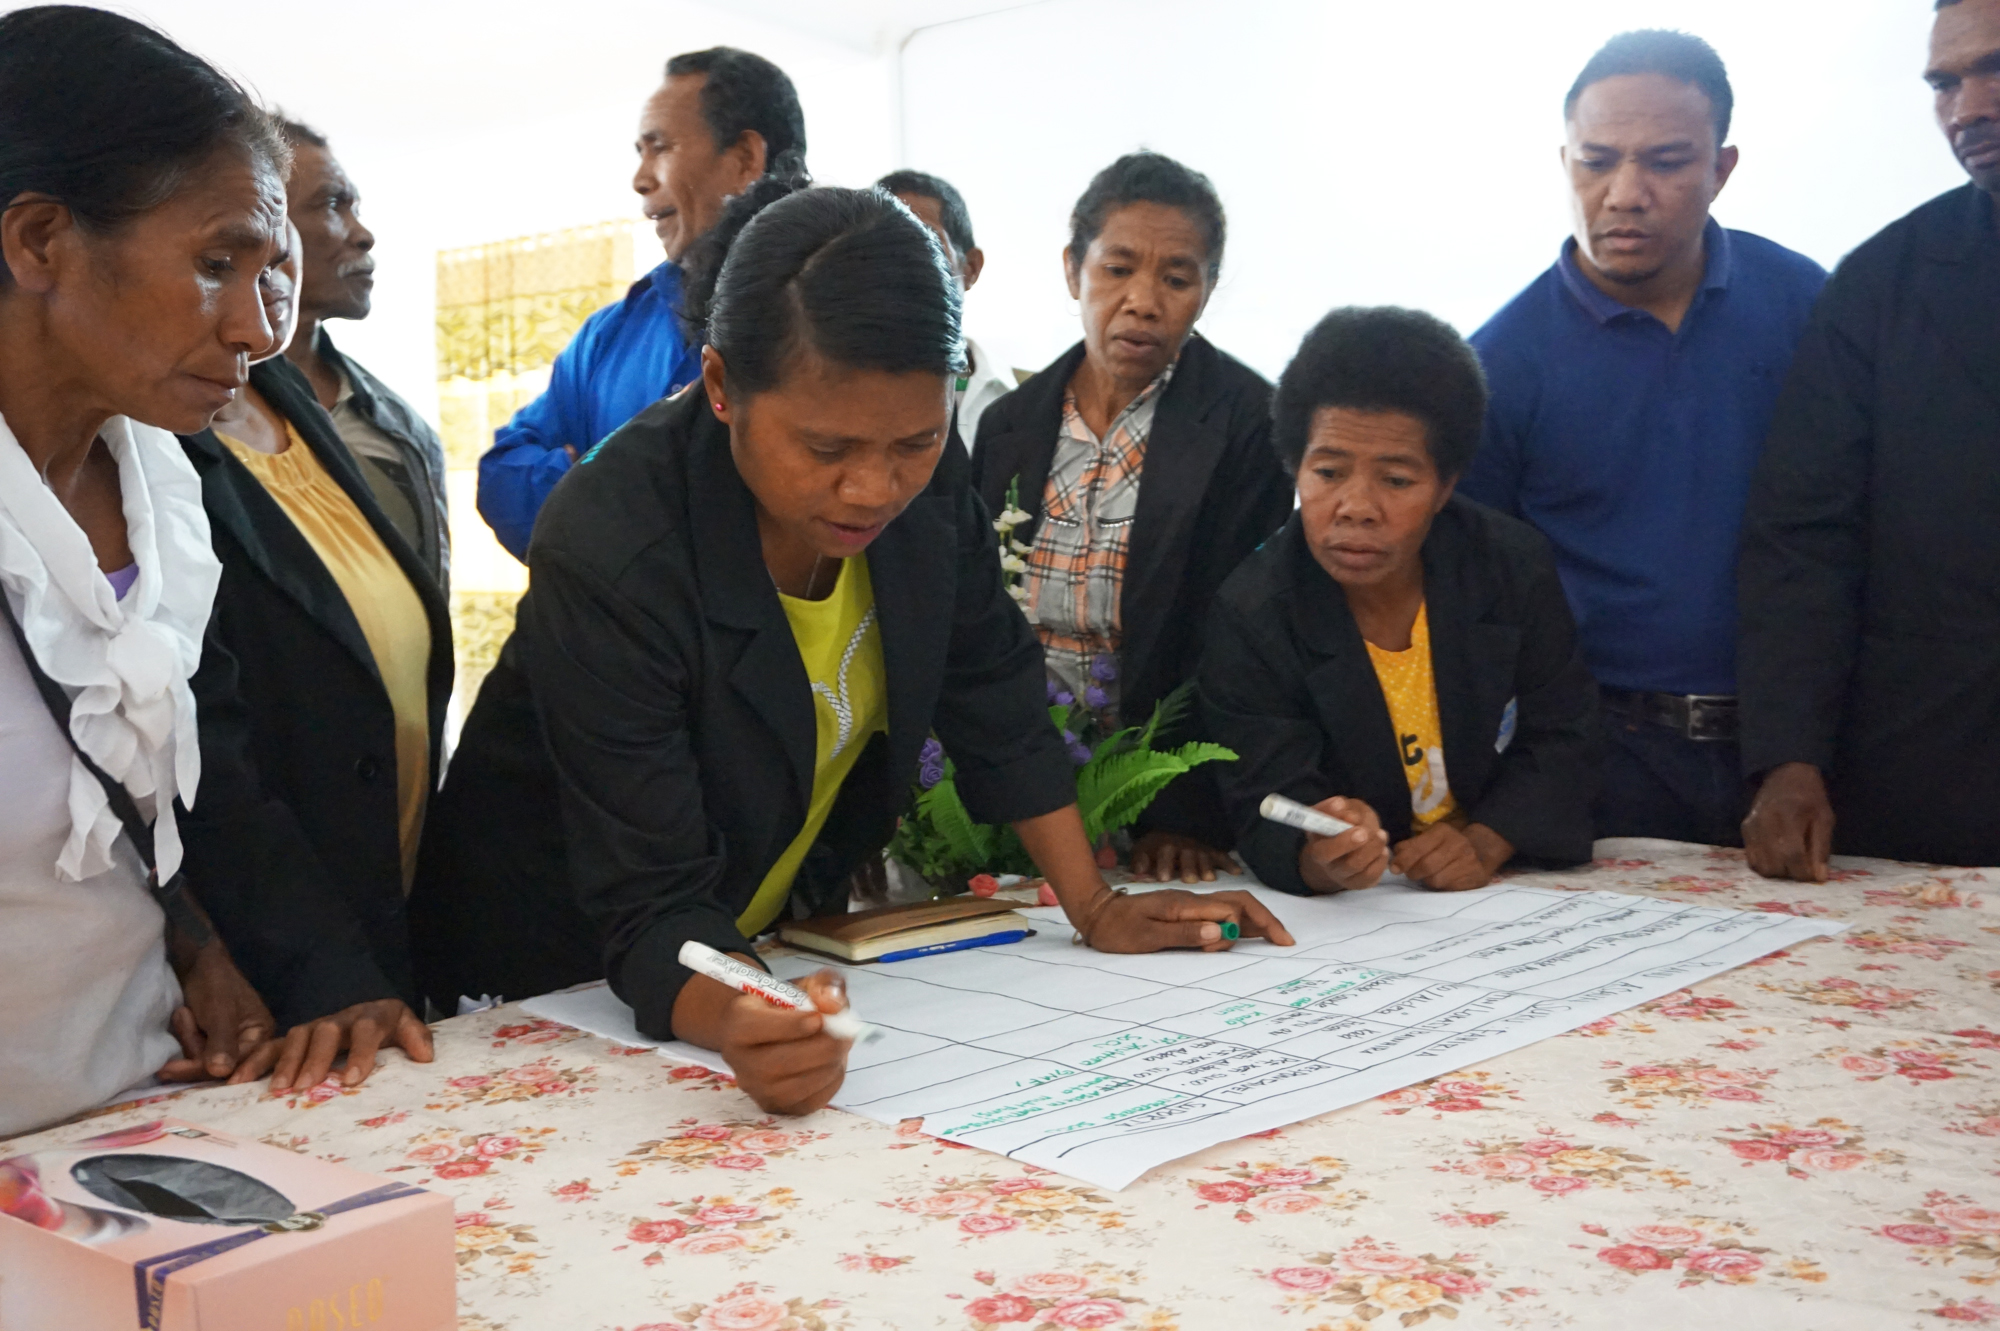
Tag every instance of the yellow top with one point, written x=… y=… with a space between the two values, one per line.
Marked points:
x=384 y=603
x=841 y=647
x=1411 y=692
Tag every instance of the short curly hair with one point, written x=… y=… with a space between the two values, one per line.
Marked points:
x=1384 y=359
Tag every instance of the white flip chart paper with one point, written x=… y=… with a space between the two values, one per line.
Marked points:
x=1103 y=1066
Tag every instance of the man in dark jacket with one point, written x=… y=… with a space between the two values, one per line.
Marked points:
x=1870 y=575
x=398 y=453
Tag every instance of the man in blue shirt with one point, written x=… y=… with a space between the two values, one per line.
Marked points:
x=1632 y=385
x=722 y=119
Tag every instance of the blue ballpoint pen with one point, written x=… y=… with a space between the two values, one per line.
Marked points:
x=989 y=940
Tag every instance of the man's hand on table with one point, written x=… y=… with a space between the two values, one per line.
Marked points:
x=1163 y=856
x=222 y=1024
x=305 y=1056
x=1789 y=832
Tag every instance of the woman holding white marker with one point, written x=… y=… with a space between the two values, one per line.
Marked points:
x=1400 y=658
x=750 y=607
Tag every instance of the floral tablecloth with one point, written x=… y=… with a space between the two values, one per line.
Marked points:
x=1812 y=1141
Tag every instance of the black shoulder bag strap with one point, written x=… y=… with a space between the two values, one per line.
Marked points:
x=172 y=895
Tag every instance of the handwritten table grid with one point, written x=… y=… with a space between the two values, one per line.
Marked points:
x=1104 y=1066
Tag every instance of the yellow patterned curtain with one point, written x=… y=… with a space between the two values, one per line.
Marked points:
x=503 y=312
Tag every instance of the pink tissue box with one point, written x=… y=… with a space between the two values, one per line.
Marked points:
x=172 y=1227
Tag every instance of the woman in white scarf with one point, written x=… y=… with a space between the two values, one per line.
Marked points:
x=144 y=201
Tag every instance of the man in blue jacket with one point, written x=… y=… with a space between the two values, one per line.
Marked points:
x=723 y=119
x=1632 y=385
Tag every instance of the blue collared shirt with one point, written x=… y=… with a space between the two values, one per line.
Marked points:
x=625 y=358
x=1631 y=448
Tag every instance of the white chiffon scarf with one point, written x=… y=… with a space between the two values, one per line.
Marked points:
x=125 y=664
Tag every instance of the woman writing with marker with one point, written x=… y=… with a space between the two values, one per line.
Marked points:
x=749 y=609
x=1398 y=656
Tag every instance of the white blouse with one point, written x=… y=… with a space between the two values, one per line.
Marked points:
x=84 y=980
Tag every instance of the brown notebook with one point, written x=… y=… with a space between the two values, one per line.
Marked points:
x=863 y=935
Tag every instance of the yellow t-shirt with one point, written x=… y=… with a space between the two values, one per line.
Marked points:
x=1411 y=692
x=384 y=603
x=841 y=646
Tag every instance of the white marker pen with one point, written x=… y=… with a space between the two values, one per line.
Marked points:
x=1294 y=814
x=724 y=969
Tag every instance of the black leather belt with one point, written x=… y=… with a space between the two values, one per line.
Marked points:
x=1707 y=717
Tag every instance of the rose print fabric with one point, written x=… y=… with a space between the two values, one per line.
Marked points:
x=1811 y=1141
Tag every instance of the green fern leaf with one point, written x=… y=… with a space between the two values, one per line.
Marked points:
x=1168 y=714
x=1125 y=804
x=1194 y=755
x=1112 y=793
x=1118 y=741
x=969 y=842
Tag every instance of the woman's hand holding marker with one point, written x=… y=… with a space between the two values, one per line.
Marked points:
x=1153 y=921
x=785 y=1059
x=787 y=1044
x=1342 y=858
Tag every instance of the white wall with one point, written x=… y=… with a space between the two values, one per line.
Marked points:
x=470 y=122
x=1388 y=153
x=1367 y=152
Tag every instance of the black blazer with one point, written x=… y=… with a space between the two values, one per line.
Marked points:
x=1287 y=683
x=293 y=839
x=1211 y=491
x=1870 y=575
x=643 y=752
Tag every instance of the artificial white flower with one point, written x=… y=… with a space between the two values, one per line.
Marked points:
x=1019 y=548
x=1013 y=563
x=1019 y=593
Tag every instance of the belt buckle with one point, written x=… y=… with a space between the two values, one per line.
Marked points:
x=1711 y=717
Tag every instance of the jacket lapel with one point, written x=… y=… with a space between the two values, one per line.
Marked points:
x=914 y=589
x=1028 y=449
x=1181 y=455
x=1345 y=691
x=1472 y=660
x=737 y=595
x=238 y=503
x=287 y=389
x=1960 y=284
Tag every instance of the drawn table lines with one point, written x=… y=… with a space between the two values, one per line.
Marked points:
x=1104 y=1066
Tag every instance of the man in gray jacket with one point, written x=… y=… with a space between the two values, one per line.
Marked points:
x=396 y=449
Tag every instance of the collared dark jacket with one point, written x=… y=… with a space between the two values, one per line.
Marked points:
x=1210 y=492
x=1870 y=574
x=1288 y=684
x=643 y=752
x=293 y=841
x=423 y=479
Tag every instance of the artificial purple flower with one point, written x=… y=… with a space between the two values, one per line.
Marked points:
x=1103 y=669
x=1065 y=699
x=1052 y=690
x=1079 y=754
x=930 y=763
x=1095 y=699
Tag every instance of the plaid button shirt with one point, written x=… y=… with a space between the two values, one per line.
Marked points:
x=1077 y=566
